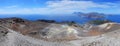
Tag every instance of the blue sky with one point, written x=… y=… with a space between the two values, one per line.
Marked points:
x=49 y=7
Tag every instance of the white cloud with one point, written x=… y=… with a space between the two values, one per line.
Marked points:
x=67 y=6
x=12 y=6
x=60 y=7
x=76 y=4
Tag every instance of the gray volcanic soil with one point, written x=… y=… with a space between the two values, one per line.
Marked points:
x=19 y=32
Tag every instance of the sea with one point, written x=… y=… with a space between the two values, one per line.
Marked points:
x=61 y=18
